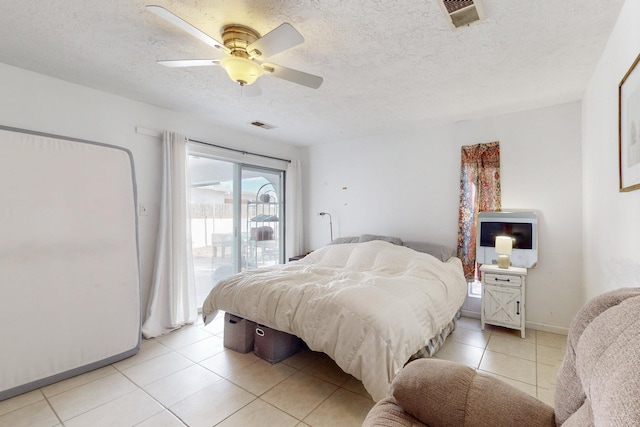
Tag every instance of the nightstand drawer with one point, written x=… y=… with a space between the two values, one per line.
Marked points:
x=502 y=279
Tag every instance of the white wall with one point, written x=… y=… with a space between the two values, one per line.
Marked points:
x=407 y=185
x=39 y=103
x=611 y=218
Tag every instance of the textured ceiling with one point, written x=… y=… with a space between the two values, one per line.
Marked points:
x=387 y=65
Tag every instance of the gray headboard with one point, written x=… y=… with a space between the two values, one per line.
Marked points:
x=442 y=252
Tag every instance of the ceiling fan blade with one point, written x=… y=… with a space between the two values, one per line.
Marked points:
x=295 y=76
x=275 y=41
x=185 y=26
x=189 y=62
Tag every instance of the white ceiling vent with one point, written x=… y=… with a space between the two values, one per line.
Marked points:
x=461 y=12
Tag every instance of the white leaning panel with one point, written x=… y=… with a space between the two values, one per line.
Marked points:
x=69 y=277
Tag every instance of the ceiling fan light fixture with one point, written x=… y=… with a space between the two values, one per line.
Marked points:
x=244 y=46
x=241 y=70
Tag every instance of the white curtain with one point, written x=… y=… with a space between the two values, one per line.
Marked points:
x=172 y=302
x=294 y=243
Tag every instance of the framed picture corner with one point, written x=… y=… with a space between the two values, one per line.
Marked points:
x=629 y=129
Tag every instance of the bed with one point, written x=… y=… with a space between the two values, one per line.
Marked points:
x=370 y=305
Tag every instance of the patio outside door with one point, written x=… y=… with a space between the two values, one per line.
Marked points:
x=236 y=219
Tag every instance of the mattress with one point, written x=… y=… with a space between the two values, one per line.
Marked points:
x=69 y=274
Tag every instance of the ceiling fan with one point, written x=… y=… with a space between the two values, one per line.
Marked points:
x=243 y=49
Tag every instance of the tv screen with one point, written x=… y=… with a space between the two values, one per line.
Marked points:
x=521 y=232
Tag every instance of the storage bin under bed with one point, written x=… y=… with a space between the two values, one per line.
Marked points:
x=243 y=335
x=273 y=345
x=238 y=333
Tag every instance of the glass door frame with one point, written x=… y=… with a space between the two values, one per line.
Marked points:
x=239 y=168
x=204 y=151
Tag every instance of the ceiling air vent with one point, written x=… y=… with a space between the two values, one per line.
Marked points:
x=263 y=125
x=461 y=12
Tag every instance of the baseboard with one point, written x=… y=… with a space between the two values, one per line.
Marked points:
x=547 y=328
x=530 y=325
x=468 y=313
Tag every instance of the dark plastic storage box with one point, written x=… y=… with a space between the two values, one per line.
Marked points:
x=273 y=345
x=238 y=333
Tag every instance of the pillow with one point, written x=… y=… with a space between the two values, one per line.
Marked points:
x=370 y=237
x=341 y=240
x=439 y=251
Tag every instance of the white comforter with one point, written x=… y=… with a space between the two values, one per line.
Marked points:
x=369 y=306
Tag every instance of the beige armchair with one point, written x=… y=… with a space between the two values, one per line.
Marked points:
x=598 y=382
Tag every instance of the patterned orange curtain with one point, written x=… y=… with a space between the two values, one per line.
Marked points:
x=479 y=192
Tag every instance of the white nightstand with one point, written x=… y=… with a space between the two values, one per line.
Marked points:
x=503 y=292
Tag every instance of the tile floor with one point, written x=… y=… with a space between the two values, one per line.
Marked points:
x=189 y=378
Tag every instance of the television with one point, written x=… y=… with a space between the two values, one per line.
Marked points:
x=522 y=227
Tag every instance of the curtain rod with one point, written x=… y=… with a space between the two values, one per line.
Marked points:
x=240 y=151
x=158 y=134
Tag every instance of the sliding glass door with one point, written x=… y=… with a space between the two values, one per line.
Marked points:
x=236 y=219
x=261 y=217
